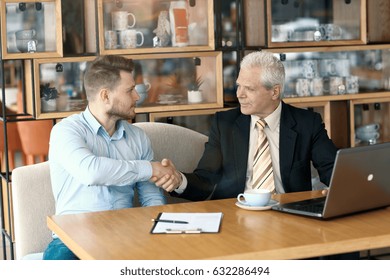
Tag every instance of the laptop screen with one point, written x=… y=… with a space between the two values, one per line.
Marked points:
x=360 y=181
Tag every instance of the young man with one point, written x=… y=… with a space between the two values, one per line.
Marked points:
x=97 y=158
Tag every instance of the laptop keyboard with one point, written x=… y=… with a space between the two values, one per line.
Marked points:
x=312 y=208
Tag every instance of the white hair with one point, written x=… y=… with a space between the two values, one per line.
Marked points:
x=272 y=68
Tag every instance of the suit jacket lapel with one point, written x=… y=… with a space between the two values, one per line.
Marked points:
x=240 y=141
x=286 y=144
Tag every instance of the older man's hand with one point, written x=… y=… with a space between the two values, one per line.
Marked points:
x=165 y=175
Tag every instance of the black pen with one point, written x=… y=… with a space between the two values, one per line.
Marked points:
x=169 y=221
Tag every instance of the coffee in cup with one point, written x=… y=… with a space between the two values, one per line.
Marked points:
x=255 y=197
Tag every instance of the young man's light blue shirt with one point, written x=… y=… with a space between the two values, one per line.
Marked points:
x=91 y=171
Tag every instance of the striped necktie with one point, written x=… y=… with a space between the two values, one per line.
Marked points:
x=262 y=176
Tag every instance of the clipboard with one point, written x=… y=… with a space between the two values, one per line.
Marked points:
x=186 y=223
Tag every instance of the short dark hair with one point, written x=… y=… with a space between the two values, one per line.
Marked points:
x=104 y=72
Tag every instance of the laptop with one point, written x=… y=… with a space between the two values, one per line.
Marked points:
x=360 y=181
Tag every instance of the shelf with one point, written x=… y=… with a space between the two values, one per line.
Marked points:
x=31 y=29
x=339 y=97
x=168 y=74
x=153 y=21
x=319 y=23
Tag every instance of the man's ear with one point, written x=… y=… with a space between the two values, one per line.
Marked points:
x=104 y=95
x=276 y=92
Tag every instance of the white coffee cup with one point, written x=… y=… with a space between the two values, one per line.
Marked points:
x=128 y=38
x=309 y=68
x=317 y=86
x=26 y=34
x=302 y=87
x=110 y=39
x=330 y=31
x=370 y=136
x=255 y=197
x=120 y=20
x=336 y=85
x=368 y=127
x=25 y=40
x=352 y=84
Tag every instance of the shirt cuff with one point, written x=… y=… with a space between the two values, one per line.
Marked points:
x=145 y=170
x=180 y=189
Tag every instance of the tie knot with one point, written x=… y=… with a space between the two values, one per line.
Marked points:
x=261 y=124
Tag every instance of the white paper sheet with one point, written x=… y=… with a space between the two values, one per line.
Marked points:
x=197 y=223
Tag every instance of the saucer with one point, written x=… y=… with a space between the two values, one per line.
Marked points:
x=258 y=208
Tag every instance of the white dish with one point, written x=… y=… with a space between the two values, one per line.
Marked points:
x=167 y=102
x=258 y=208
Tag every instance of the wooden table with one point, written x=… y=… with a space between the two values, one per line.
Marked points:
x=125 y=234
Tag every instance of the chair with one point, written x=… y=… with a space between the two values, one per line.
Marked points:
x=181 y=145
x=14 y=145
x=33 y=201
x=13 y=142
x=35 y=136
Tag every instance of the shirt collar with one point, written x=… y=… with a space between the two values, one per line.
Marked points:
x=272 y=120
x=91 y=120
x=96 y=126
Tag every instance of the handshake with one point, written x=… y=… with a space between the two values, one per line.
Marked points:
x=165 y=175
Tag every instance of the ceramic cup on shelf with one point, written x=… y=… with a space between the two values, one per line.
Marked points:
x=26 y=41
x=368 y=133
x=142 y=90
x=309 y=68
x=255 y=197
x=334 y=67
x=336 y=85
x=302 y=87
x=317 y=86
x=369 y=127
x=110 y=39
x=330 y=31
x=131 y=38
x=370 y=137
x=120 y=20
x=352 y=84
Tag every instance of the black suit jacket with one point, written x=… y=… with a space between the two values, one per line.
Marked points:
x=221 y=172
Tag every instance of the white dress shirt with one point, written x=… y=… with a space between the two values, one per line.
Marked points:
x=272 y=130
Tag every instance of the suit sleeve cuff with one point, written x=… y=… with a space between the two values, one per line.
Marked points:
x=180 y=189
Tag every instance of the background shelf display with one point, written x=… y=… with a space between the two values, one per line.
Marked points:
x=31 y=29
x=54 y=87
x=360 y=69
x=368 y=111
x=148 y=26
x=172 y=78
x=315 y=23
x=58 y=83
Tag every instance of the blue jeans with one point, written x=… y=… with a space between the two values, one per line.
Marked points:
x=56 y=250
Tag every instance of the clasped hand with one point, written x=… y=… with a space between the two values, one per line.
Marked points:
x=165 y=175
